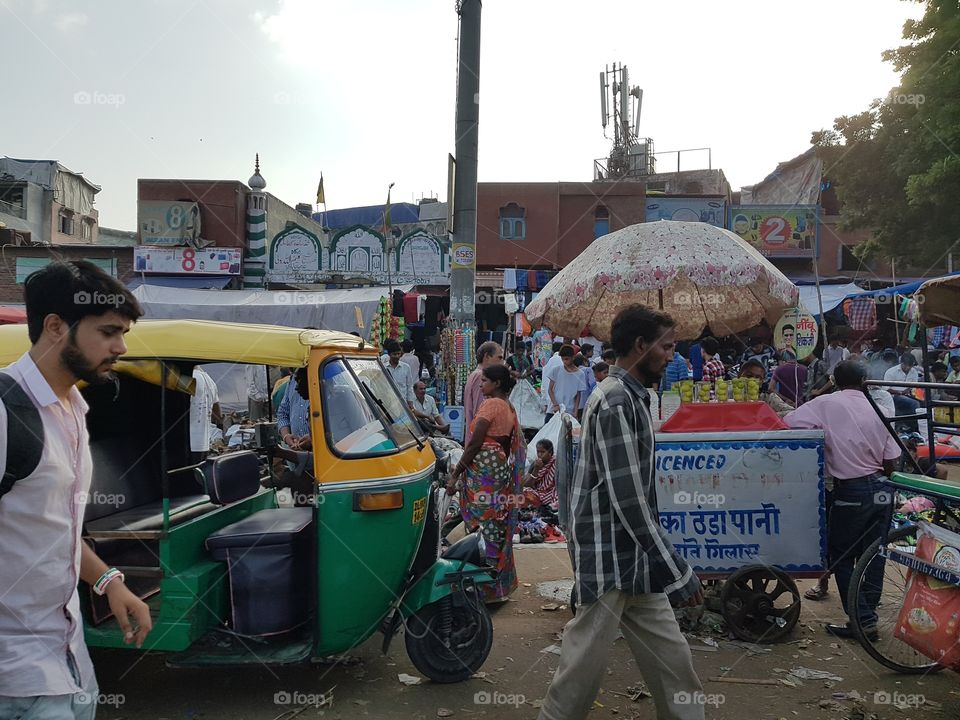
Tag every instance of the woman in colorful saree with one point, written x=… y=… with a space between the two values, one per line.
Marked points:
x=490 y=472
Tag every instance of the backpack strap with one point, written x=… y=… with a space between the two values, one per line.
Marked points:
x=24 y=433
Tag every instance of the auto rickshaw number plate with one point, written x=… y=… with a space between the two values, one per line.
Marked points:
x=419 y=511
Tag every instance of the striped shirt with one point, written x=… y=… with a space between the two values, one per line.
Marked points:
x=616 y=540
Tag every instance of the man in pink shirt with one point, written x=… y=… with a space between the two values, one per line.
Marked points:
x=489 y=353
x=859 y=454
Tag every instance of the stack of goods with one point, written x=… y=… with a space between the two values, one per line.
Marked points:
x=458 y=353
x=740 y=389
x=380 y=324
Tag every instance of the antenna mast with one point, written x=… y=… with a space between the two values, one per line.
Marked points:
x=630 y=156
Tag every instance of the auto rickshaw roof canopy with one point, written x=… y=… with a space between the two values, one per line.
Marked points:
x=208 y=341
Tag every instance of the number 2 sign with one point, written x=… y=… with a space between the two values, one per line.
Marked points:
x=775 y=230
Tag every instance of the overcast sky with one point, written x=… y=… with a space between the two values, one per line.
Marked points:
x=363 y=90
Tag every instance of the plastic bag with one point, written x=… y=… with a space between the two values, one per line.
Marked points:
x=526 y=401
x=552 y=431
x=930 y=618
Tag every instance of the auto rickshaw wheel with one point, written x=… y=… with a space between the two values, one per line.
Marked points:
x=760 y=603
x=447 y=641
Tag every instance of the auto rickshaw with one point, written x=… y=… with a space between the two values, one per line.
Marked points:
x=230 y=576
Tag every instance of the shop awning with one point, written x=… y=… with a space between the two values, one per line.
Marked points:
x=186 y=282
x=832 y=295
x=904 y=289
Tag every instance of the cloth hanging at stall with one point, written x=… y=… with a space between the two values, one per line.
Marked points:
x=509 y=279
x=861 y=313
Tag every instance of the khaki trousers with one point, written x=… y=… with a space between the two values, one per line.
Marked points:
x=661 y=651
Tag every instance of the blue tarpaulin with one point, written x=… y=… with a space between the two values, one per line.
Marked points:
x=368 y=216
x=905 y=289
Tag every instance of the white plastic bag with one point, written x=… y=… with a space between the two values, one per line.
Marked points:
x=551 y=431
x=526 y=401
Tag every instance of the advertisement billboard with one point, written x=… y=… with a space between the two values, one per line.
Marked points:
x=163 y=222
x=694 y=209
x=788 y=231
x=187 y=260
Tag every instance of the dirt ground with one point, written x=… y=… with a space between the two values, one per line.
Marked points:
x=518 y=672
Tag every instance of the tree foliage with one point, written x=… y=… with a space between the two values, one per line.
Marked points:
x=896 y=165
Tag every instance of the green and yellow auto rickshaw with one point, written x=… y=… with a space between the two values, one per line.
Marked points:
x=230 y=575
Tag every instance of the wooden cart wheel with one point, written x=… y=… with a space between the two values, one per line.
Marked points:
x=760 y=603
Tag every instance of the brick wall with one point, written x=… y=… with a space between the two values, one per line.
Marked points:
x=12 y=293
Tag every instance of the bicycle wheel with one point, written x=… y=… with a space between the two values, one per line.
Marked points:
x=885 y=647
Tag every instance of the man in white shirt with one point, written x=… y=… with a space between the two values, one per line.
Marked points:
x=906 y=371
x=77 y=316
x=567 y=384
x=400 y=372
x=425 y=409
x=834 y=353
x=258 y=395
x=410 y=360
x=204 y=410
x=553 y=362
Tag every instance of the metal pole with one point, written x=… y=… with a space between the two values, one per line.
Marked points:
x=463 y=268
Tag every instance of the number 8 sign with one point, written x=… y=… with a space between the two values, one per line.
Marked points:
x=189 y=262
x=775 y=230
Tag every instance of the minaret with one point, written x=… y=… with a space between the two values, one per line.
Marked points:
x=255 y=258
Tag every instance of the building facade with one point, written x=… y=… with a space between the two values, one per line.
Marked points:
x=46 y=203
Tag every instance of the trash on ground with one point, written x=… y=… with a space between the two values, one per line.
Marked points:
x=409 y=679
x=555 y=649
x=810 y=674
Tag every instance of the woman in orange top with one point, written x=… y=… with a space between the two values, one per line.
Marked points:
x=490 y=472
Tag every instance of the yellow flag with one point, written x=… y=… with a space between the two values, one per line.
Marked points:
x=320 y=198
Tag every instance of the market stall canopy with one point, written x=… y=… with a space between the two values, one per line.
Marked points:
x=831 y=295
x=703 y=276
x=327 y=309
x=941 y=301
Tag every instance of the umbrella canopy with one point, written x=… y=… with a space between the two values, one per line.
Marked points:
x=703 y=276
x=939 y=301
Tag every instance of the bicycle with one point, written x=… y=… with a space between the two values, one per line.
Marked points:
x=895 y=553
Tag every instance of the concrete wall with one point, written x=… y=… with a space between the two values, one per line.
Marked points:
x=11 y=292
x=280 y=215
x=222 y=205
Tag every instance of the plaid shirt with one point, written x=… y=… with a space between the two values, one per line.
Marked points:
x=616 y=540
x=713 y=369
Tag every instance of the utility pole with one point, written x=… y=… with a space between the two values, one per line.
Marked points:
x=464 y=245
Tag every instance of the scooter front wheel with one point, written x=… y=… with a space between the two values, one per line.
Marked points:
x=449 y=641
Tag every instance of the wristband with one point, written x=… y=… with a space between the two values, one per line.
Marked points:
x=100 y=586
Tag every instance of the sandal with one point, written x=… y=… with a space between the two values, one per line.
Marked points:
x=817 y=592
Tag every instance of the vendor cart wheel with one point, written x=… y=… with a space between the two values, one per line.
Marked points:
x=760 y=603
x=881 y=642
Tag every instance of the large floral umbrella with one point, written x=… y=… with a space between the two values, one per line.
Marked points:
x=703 y=276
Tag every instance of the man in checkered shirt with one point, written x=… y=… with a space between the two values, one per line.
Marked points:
x=627 y=572
x=713 y=368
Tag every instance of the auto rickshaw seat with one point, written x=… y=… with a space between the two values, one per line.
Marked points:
x=232 y=477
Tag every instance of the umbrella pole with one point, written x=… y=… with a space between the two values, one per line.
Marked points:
x=823 y=320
